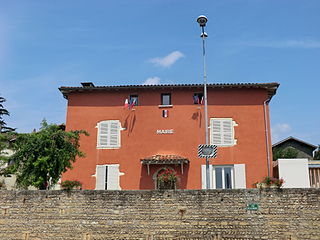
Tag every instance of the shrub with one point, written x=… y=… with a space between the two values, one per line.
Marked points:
x=69 y=185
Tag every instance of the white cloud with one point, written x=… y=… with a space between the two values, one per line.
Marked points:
x=168 y=60
x=306 y=43
x=280 y=131
x=152 y=81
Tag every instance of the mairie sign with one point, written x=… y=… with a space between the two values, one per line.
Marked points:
x=207 y=151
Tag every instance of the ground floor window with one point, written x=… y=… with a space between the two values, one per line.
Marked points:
x=107 y=177
x=223 y=177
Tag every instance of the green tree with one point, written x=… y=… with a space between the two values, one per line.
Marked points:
x=5 y=133
x=288 y=152
x=3 y=112
x=41 y=157
x=317 y=153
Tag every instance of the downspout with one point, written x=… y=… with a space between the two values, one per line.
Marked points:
x=267 y=133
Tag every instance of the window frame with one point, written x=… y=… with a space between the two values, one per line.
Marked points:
x=161 y=99
x=223 y=167
x=132 y=96
x=199 y=101
x=109 y=135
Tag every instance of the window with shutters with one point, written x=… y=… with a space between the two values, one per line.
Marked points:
x=222 y=132
x=224 y=176
x=108 y=134
x=107 y=177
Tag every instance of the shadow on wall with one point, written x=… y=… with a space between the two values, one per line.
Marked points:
x=197 y=116
x=129 y=122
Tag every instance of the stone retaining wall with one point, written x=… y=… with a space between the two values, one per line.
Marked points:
x=181 y=214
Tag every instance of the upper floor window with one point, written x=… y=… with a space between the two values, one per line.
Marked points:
x=198 y=98
x=108 y=134
x=133 y=100
x=222 y=132
x=165 y=99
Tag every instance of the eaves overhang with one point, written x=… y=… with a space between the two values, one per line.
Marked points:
x=270 y=87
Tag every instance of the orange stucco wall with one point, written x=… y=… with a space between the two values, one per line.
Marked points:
x=139 y=139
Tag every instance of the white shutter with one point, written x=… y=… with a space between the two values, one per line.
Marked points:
x=113 y=177
x=222 y=132
x=108 y=134
x=227 y=133
x=216 y=132
x=101 y=177
x=103 y=133
x=240 y=176
x=204 y=177
x=114 y=135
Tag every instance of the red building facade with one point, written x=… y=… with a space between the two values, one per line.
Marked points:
x=138 y=132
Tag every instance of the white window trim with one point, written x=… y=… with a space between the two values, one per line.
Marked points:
x=99 y=146
x=165 y=106
x=234 y=141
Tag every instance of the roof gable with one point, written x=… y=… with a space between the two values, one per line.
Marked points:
x=288 y=139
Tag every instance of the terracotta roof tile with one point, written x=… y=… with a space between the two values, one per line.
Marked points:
x=270 y=87
x=164 y=159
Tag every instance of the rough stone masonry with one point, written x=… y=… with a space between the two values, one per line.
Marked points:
x=180 y=214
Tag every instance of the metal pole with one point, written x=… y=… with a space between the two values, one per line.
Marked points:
x=267 y=134
x=203 y=36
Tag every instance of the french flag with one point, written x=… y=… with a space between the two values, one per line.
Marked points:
x=165 y=113
x=132 y=103
x=126 y=103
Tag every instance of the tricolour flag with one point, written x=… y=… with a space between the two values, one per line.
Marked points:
x=133 y=102
x=165 y=113
x=126 y=103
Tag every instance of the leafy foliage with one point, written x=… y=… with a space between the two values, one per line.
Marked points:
x=167 y=175
x=317 y=154
x=69 y=185
x=284 y=153
x=3 y=112
x=5 y=133
x=268 y=182
x=41 y=157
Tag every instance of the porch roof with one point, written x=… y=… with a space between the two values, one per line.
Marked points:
x=164 y=159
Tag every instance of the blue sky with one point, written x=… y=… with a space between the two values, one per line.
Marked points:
x=47 y=44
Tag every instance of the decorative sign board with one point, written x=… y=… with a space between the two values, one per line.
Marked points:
x=207 y=151
x=253 y=207
x=165 y=131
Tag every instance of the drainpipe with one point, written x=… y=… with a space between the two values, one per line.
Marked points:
x=267 y=133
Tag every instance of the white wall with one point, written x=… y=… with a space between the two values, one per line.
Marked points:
x=295 y=172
